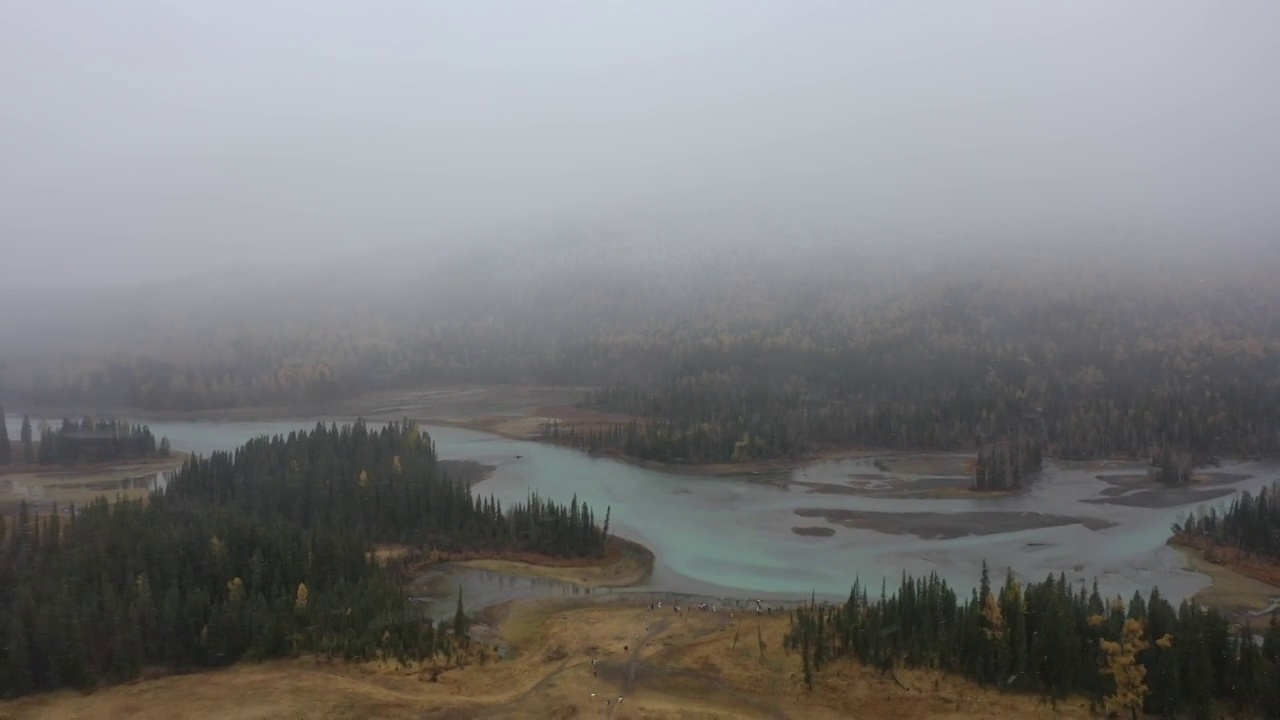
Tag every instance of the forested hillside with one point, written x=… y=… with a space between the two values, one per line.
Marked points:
x=259 y=553
x=780 y=345
x=1145 y=656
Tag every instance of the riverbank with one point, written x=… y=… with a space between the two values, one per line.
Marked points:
x=468 y=471
x=662 y=665
x=1246 y=590
x=624 y=564
x=43 y=486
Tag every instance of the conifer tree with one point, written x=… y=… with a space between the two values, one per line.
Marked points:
x=5 y=449
x=28 y=452
x=459 y=617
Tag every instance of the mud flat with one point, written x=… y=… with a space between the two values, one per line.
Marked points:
x=814 y=531
x=41 y=487
x=892 y=487
x=1162 y=497
x=946 y=464
x=946 y=526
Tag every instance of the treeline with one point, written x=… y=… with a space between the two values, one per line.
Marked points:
x=1250 y=524
x=259 y=553
x=1003 y=465
x=668 y=442
x=1171 y=468
x=80 y=441
x=1146 y=656
x=88 y=441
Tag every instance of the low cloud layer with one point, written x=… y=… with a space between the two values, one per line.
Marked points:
x=155 y=138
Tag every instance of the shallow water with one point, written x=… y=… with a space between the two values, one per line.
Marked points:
x=484 y=588
x=732 y=537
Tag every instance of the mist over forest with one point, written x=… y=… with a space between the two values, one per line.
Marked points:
x=730 y=342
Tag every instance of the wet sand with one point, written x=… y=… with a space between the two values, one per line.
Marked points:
x=814 y=531
x=947 y=526
x=42 y=487
x=891 y=487
x=1160 y=497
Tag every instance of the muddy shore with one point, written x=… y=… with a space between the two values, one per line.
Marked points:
x=946 y=526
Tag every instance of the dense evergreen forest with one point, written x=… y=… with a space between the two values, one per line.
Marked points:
x=1250 y=524
x=261 y=552
x=80 y=441
x=777 y=348
x=1128 y=658
x=88 y=440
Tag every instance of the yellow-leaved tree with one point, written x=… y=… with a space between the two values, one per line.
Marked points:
x=300 y=600
x=1123 y=667
x=235 y=590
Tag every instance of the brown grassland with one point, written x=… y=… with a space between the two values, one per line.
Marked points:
x=688 y=665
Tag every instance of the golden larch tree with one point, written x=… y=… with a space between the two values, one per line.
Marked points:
x=1121 y=663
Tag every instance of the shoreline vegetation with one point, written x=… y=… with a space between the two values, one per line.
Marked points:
x=1260 y=569
x=625 y=563
x=1232 y=588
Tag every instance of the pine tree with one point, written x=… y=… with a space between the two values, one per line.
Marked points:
x=6 y=455
x=28 y=452
x=459 y=617
x=48 y=452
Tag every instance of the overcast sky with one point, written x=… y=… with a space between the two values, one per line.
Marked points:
x=147 y=137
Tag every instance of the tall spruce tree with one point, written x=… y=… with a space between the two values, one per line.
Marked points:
x=459 y=617
x=28 y=452
x=6 y=456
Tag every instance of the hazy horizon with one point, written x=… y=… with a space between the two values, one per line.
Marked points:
x=155 y=140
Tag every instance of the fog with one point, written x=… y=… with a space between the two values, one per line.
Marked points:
x=160 y=139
